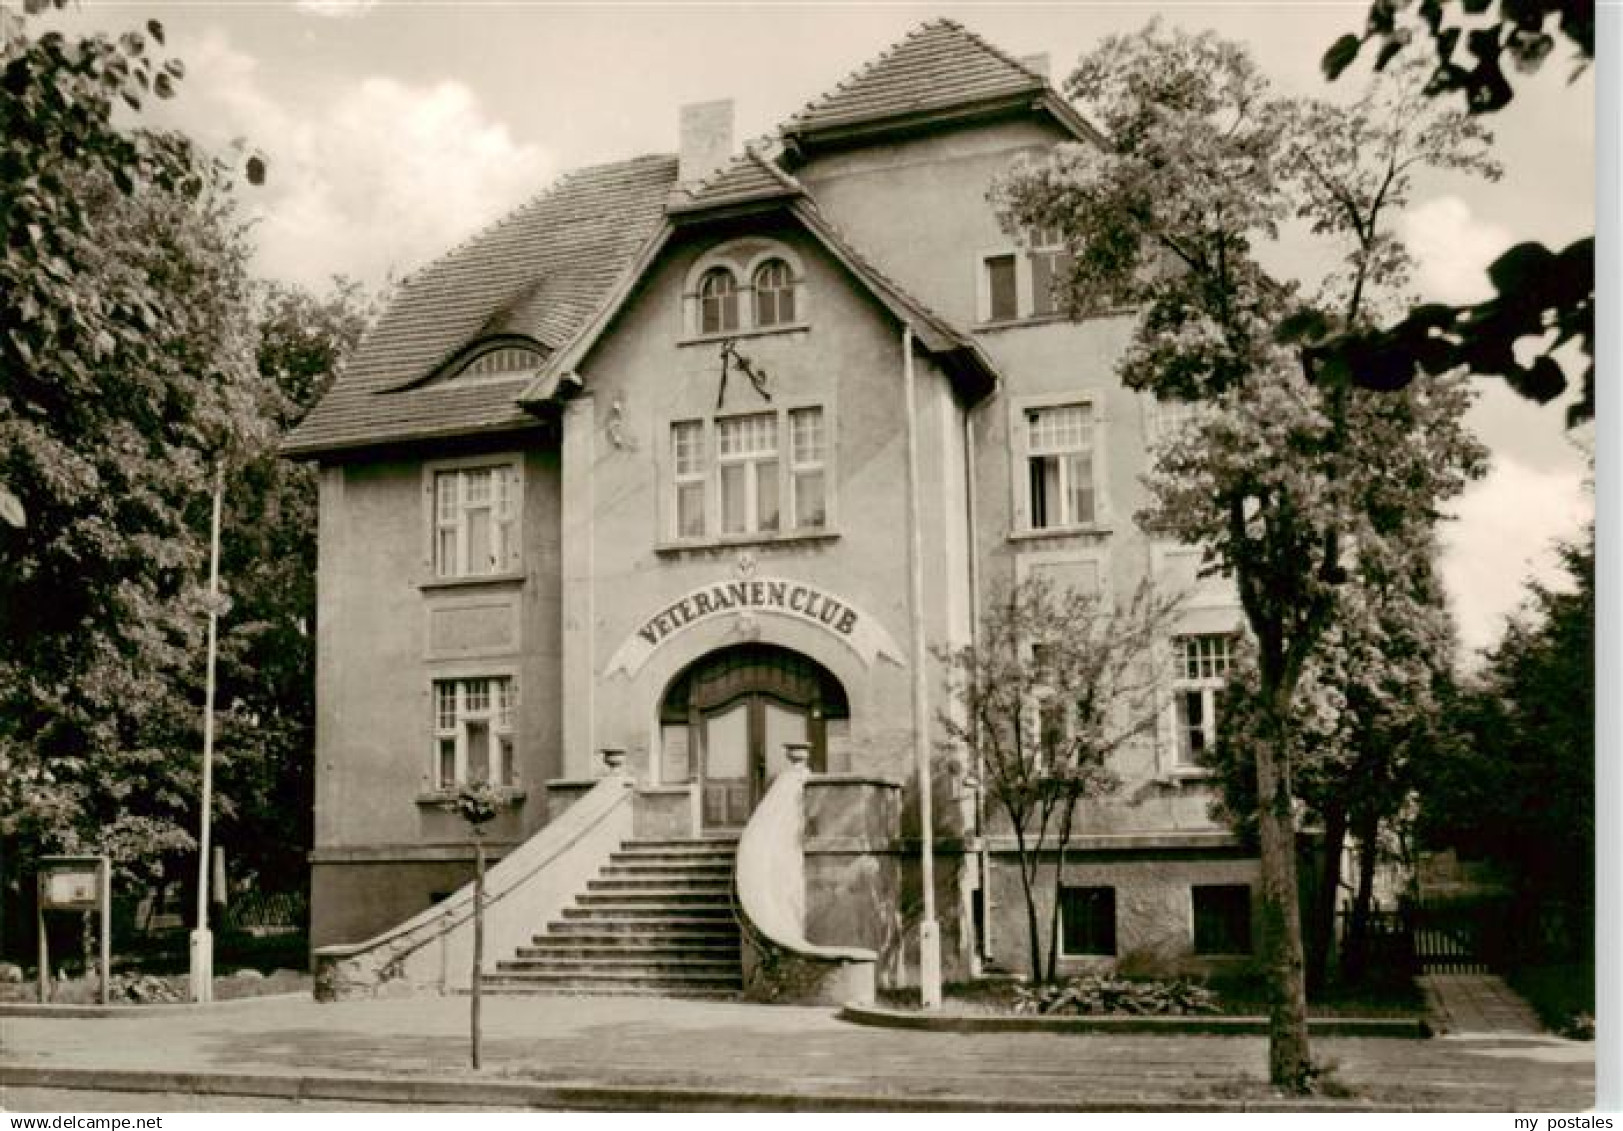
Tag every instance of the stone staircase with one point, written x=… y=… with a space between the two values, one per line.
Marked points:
x=657 y=920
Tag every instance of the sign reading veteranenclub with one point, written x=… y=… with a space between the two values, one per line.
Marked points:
x=774 y=596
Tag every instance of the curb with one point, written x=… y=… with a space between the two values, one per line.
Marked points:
x=35 y=1009
x=1404 y=1028
x=416 y=1092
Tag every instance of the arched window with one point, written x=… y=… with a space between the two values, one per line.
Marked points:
x=774 y=294
x=718 y=301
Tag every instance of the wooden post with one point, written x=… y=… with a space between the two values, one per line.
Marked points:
x=44 y=975
x=106 y=928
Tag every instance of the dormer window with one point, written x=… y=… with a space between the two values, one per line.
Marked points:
x=507 y=358
x=718 y=301
x=774 y=294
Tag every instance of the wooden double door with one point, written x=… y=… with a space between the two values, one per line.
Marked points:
x=739 y=708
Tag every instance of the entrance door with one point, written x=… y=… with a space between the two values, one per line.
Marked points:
x=743 y=753
x=725 y=720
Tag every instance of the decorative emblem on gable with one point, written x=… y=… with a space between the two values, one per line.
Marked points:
x=745 y=600
x=730 y=357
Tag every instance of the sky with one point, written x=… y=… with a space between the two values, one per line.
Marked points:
x=394 y=130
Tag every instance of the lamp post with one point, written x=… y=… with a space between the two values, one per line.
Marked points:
x=929 y=932
x=202 y=939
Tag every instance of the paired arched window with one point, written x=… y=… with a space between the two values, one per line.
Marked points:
x=774 y=286
x=744 y=285
x=718 y=301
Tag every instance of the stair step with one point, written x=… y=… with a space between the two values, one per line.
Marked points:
x=586 y=976
x=695 y=869
x=630 y=967
x=655 y=897
x=675 y=928
x=718 y=885
x=576 y=987
x=633 y=947
x=649 y=916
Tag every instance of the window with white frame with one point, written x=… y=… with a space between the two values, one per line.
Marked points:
x=1059 y=466
x=1050 y=262
x=774 y=287
x=808 y=504
x=718 y=301
x=747 y=470
x=759 y=473
x=688 y=473
x=1202 y=664
x=476 y=520
x=473 y=731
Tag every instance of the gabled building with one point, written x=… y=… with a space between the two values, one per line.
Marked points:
x=640 y=469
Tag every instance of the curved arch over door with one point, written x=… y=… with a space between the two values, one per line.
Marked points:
x=725 y=719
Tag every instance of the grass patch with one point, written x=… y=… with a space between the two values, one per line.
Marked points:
x=1563 y=995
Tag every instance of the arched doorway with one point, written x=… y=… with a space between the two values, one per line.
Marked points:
x=726 y=718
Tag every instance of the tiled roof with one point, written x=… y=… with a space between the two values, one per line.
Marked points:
x=752 y=175
x=540 y=272
x=938 y=65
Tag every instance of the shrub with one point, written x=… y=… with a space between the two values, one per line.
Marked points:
x=1103 y=994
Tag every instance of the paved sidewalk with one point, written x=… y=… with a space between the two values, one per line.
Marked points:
x=1477 y=1005
x=604 y=1052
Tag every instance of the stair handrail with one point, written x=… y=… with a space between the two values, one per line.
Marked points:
x=770 y=890
x=391 y=949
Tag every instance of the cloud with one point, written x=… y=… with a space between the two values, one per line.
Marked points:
x=375 y=178
x=1453 y=249
x=337 y=9
x=1504 y=535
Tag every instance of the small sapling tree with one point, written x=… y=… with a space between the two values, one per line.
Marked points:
x=1057 y=683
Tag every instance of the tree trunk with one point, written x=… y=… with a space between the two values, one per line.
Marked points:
x=1059 y=882
x=1322 y=940
x=1290 y=1064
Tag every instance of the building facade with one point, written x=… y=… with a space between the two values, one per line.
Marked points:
x=631 y=470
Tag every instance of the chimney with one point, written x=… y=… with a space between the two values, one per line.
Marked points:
x=707 y=139
x=1038 y=63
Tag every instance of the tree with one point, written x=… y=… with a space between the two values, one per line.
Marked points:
x=1056 y=684
x=126 y=368
x=1540 y=294
x=267 y=647
x=1370 y=716
x=1518 y=788
x=1295 y=465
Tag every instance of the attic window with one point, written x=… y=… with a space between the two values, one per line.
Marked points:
x=498 y=363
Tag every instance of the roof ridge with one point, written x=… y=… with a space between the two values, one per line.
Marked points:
x=945 y=30
x=770 y=164
x=513 y=215
x=865 y=69
x=998 y=53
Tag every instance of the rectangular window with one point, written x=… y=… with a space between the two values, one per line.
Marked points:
x=747 y=461
x=1059 y=453
x=1051 y=264
x=1222 y=918
x=688 y=464
x=476 y=521
x=1202 y=665
x=473 y=731
x=1002 y=293
x=1087 y=919
x=746 y=475
x=808 y=503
